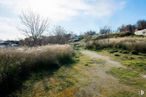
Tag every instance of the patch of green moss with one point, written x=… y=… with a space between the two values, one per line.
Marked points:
x=137 y=65
x=129 y=77
x=124 y=73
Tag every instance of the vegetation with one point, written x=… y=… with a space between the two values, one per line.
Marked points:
x=127 y=29
x=135 y=62
x=33 y=70
x=129 y=77
x=81 y=79
x=33 y=26
x=105 y=31
x=16 y=64
x=132 y=44
x=125 y=38
x=60 y=35
x=141 y=24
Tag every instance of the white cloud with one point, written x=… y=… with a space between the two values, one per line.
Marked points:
x=105 y=8
x=8 y=29
x=59 y=10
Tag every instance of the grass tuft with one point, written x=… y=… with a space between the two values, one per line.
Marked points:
x=16 y=64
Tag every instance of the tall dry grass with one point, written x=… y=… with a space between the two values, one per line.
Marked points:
x=18 y=63
x=127 y=43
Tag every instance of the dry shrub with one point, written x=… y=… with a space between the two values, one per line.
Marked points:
x=53 y=54
x=128 y=43
x=18 y=63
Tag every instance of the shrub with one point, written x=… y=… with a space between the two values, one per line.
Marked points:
x=124 y=52
x=136 y=44
x=134 y=52
x=17 y=63
x=117 y=55
x=113 y=51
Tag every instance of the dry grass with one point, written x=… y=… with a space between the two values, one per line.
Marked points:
x=18 y=63
x=128 y=43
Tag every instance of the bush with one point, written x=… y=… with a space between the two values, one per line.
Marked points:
x=17 y=63
x=113 y=51
x=136 y=44
x=134 y=52
x=125 y=52
x=117 y=55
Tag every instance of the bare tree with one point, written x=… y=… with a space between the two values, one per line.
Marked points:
x=61 y=35
x=105 y=30
x=141 y=24
x=127 y=29
x=88 y=35
x=33 y=25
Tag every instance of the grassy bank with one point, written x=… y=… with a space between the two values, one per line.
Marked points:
x=132 y=44
x=16 y=64
x=132 y=61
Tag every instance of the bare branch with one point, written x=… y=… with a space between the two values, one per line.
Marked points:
x=34 y=24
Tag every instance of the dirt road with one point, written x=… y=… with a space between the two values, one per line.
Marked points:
x=100 y=83
x=108 y=60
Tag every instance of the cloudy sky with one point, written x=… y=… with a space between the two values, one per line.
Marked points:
x=74 y=15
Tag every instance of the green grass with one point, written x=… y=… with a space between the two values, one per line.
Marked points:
x=69 y=79
x=136 y=64
x=130 y=78
x=60 y=83
x=64 y=82
x=124 y=73
x=132 y=61
x=48 y=84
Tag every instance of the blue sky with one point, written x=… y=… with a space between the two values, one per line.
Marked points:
x=74 y=15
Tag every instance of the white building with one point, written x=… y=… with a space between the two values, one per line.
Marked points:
x=141 y=32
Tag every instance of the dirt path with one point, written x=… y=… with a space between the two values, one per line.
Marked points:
x=101 y=84
x=108 y=60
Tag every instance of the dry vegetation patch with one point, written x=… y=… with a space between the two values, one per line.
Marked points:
x=16 y=64
x=133 y=44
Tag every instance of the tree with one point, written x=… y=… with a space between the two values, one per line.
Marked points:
x=122 y=28
x=141 y=24
x=33 y=25
x=88 y=35
x=90 y=32
x=105 y=30
x=61 y=36
x=127 y=29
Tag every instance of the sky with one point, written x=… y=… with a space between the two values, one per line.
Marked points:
x=75 y=16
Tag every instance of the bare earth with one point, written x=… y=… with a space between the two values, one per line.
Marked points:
x=101 y=84
x=108 y=60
